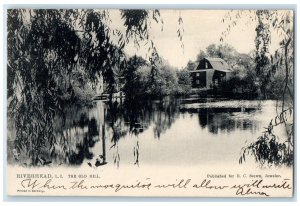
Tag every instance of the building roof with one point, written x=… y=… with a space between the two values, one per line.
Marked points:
x=218 y=64
x=200 y=70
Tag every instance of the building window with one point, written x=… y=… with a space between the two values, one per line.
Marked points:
x=197 y=74
x=197 y=81
x=216 y=82
x=206 y=65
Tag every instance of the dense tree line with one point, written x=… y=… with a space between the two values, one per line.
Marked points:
x=140 y=82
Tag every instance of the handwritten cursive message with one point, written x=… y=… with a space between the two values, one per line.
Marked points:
x=253 y=187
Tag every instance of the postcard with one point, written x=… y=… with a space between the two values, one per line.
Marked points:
x=150 y=102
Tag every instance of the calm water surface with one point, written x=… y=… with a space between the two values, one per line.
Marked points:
x=169 y=132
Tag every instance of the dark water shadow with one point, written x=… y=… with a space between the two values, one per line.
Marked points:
x=104 y=125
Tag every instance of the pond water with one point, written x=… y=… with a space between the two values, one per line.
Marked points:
x=183 y=132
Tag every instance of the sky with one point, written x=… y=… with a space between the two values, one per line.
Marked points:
x=201 y=28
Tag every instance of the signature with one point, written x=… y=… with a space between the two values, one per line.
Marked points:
x=253 y=188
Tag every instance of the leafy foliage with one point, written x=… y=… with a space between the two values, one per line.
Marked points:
x=184 y=82
x=35 y=71
x=191 y=66
x=140 y=81
x=50 y=54
x=267 y=149
x=269 y=69
x=133 y=84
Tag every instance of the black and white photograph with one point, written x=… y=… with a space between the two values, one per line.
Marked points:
x=150 y=102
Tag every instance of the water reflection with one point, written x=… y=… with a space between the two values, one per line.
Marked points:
x=76 y=155
x=224 y=119
x=97 y=136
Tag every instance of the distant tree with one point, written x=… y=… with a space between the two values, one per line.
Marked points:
x=212 y=50
x=191 y=65
x=227 y=52
x=239 y=62
x=243 y=64
x=132 y=86
x=184 y=82
x=200 y=56
x=224 y=51
x=165 y=82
